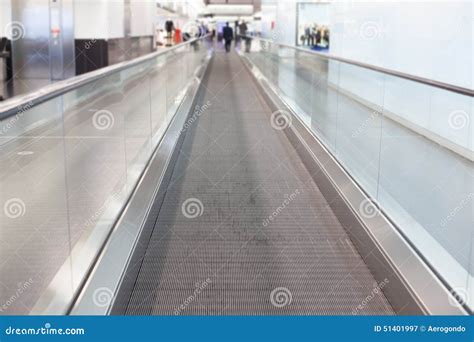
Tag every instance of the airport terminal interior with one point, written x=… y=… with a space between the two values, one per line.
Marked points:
x=236 y=157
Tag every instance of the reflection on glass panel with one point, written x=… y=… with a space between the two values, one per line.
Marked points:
x=359 y=124
x=412 y=154
x=158 y=77
x=428 y=189
x=324 y=99
x=68 y=167
x=34 y=230
x=96 y=165
x=136 y=109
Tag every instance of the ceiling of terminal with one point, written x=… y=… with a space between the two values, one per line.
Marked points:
x=232 y=2
x=232 y=7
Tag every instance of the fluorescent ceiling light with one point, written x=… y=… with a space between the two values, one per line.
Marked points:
x=230 y=9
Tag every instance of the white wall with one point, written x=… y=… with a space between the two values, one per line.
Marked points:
x=143 y=17
x=98 y=19
x=431 y=39
x=104 y=19
x=269 y=8
x=90 y=19
x=314 y=13
x=115 y=18
x=5 y=16
x=283 y=16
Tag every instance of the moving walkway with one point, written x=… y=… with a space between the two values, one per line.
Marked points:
x=190 y=182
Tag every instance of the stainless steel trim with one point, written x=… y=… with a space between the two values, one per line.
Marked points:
x=61 y=46
x=31 y=58
x=18 y=104
x=423 y=80
x=413 y=288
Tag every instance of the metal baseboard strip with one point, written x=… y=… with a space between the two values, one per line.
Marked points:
x=112 y=279
x=411 y=287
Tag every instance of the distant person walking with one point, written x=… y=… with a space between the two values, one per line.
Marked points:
x=243 y=28
x=169 y=27
x=228 y=35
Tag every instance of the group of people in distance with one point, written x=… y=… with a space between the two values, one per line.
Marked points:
x=174 y=35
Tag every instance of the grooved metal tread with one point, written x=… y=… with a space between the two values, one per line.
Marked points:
x=243 y=229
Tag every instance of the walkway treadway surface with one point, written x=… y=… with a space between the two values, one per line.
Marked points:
x=264 y=240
